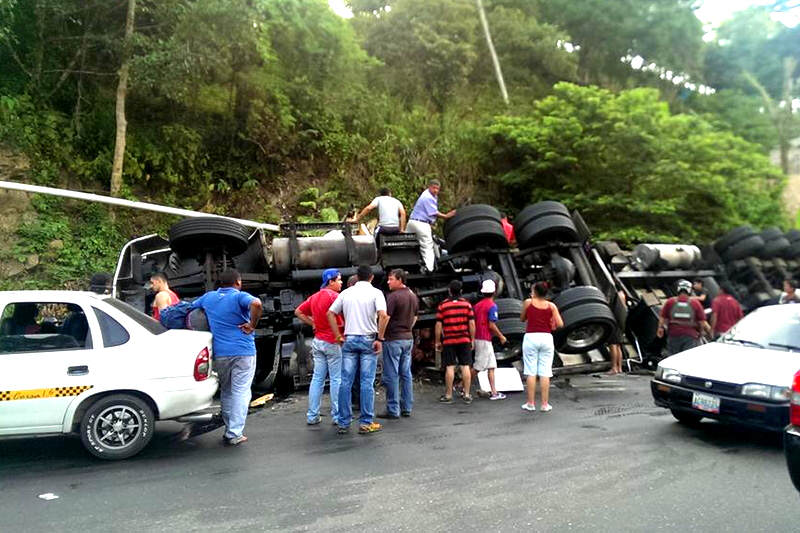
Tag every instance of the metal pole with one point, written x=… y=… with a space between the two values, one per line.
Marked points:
x=127 y=203
x=495 y=61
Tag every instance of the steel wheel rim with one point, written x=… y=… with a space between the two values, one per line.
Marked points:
x=117 y=427
x=585 y=336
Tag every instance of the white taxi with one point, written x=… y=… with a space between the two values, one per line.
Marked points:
x=744 y=378
x=80 y=362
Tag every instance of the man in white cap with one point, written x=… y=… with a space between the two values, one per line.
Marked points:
x=486 y=327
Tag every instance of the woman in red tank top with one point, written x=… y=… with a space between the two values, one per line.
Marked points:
x=542 y=318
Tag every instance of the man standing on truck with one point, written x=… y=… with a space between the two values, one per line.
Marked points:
x=401 y=306
x=164 y=295
x=391 y=213
x=423 y=216
x=725 y=311
x=326 y=351
x=485 y=328
x=365 y=320
x=232 y=316
x=683 y=319
x=455 y=338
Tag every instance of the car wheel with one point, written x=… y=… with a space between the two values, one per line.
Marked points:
x=544 y=221
x=117 y=427
x=195 y=235
x=688 y=419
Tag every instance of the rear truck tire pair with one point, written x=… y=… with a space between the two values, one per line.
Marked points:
x=775 y=243
x=588 y=320
x=193 y=236
x=739 y=243
x=508 y=311
x=475 y=226
x=117 y=426
x=544 y=222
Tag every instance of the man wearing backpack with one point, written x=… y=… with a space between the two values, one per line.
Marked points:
x=232 y=316
x=683 y=319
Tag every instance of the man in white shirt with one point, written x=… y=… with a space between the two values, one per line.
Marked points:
x=365 y=320
x=391 y=213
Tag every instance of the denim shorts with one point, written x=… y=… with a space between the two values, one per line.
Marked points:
x=537 y=354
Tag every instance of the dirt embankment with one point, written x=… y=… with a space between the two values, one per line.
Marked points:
x=15 y=207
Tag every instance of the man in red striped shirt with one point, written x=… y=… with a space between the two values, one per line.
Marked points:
x=455 y=337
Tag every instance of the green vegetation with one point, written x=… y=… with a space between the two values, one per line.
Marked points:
x=280 y=109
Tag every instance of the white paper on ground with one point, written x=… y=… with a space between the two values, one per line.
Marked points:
x=48 y=496
x=505 y=380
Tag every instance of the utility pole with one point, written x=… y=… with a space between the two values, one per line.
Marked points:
x=495 y=62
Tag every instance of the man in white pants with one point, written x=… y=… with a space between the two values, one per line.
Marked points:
x=423 y=216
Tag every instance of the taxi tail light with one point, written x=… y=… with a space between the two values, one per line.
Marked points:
x=794 y=406
x=202 y=365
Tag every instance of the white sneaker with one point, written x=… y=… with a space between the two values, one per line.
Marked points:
x=528 y=407
x=546 y=407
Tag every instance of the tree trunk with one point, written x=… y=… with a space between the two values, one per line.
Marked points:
x=122 y=91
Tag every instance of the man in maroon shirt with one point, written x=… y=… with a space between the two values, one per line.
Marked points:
x=325 y=347
x=725 y=311
x=683 y=319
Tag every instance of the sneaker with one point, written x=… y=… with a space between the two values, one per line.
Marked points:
x=369 y=428
x=343 y=430
x=467 y=399
x=314 y=421
x=387 y=414
x=235 y=441
x=498 y=396
x=546 y=407
x=405 y=414
x=445 y=399
x=528 y=406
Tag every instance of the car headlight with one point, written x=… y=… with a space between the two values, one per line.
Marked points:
x=766 y=392
x=668 y=374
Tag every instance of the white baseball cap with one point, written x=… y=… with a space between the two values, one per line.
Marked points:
x=488 y=286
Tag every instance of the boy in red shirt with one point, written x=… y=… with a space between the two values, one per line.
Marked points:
x=485 y=328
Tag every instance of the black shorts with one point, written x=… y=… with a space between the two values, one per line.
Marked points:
x=617 y=337
x=453 y=354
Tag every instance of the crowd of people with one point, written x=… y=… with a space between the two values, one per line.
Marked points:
x=355 y=325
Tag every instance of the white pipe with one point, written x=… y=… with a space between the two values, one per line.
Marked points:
x=127 y=203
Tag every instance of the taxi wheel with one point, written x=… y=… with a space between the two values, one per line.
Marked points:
x=688 y=419
x=117 y=427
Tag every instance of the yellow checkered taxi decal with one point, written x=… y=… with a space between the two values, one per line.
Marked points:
x=35 y=394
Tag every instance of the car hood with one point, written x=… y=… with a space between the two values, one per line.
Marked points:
x=734 y=363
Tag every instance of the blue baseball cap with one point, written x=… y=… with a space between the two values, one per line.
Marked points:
x=328 y=275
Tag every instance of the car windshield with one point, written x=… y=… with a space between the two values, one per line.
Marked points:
x=148 y=323
x=774 y=327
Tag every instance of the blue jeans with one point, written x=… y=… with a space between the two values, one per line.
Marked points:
x=397 y=375
x=235 y=377
x=357 y=349
x=327 y=359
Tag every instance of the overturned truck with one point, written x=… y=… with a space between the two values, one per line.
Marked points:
x=283 y=268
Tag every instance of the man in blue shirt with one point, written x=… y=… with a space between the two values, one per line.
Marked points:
x=423 y=216
x=232 y=316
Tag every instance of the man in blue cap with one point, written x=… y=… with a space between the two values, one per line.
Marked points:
x=325 y=347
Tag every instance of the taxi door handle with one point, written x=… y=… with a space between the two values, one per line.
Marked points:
x=78 y=370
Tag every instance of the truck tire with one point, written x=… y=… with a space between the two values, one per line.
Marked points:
x=195 y=235
x=508 y=308
x=117 y=427
x=544 y=221
x=588 y=320
x=747 y=247
x=511 y=326
x=732 y=237
x=775 y=243
x=471 y=213
x=476 y=234
x=509 y=353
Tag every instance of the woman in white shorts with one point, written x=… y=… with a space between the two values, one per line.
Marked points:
x=542 y=318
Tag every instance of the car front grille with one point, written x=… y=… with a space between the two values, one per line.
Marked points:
x=717 y=387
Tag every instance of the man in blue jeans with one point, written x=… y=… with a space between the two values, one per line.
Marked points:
x=232 y=316
x=401 y=306
x=365 y=319
x=326 y=351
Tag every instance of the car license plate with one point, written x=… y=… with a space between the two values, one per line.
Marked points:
x=705 y=402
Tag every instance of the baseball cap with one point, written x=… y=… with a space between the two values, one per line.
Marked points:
x=488 y=286
x=328 y=274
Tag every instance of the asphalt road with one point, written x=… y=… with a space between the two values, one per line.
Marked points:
x=605 y=459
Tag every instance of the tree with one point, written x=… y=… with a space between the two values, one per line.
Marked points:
x=635 y=171
x=122 y=91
